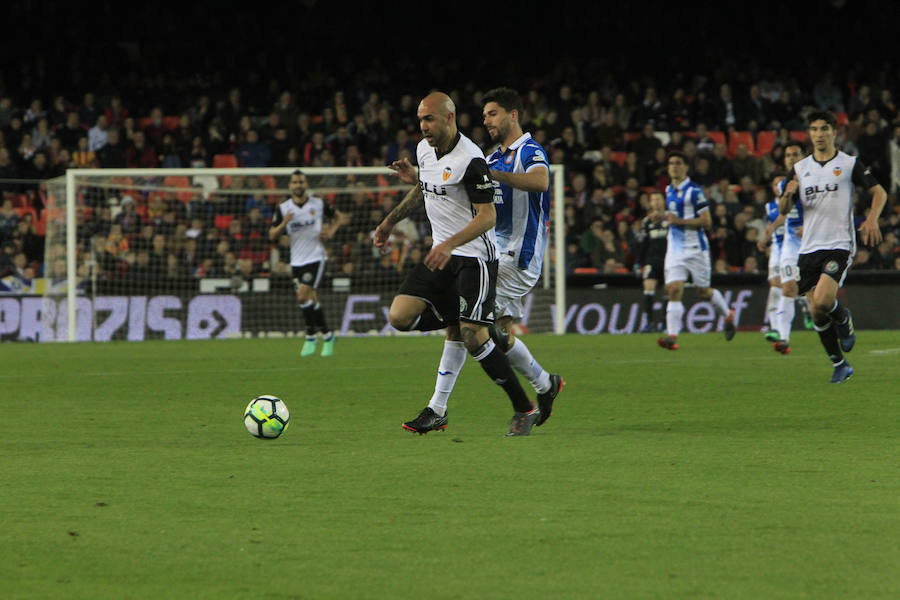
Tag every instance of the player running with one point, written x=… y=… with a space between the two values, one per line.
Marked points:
x=308 y=220
x=687 y=251
x=823 y=183
x=455 y=286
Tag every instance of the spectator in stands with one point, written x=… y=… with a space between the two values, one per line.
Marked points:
x=756 y=110
x=609 y=133
x=112 y=154
x=98 y=134
x=253 y=153
x=26 y=150
x=59 y=111
x=622 y=111
x=704 y=142
x=41 y=134
x=169 y=152
x=701 y=174
x=886 y=105
x=744 y=164
x=703 y=110
x=719 y=165
x=827 y=95
x=13 y=133
x=9 y=217
x=140 y=154
x=860 y=102
x=88 y=111
x=115 y=112
x=786 y=112
x=128 y=219
x=83 y=157
x=646 y=144
x=729 y=112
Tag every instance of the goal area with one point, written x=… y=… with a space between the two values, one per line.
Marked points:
x=135 y=254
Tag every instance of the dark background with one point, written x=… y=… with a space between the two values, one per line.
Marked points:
x=52 y=46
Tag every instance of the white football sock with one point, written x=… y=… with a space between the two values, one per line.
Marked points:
x=772 y=306
x=674 y=314
x=718 y=302
x=786 y=311
x=452 y=361
x=522 y=361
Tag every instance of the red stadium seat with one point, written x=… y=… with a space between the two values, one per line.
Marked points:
x=618 y=157
x=180 y=181
x=223 y=221
x=225 y=161
x=842 y=118
x=739 y=137
x=718 y=137
x=765 y=141
x=799 y=135
x=171 y=123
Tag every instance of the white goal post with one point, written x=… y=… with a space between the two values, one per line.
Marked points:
x=87 y=195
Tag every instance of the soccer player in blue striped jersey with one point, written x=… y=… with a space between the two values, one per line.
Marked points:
x=687 y=250
x=773 y=241
x=791 y=225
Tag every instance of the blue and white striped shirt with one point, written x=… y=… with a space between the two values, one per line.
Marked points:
x=522 y=217
x=687 y=201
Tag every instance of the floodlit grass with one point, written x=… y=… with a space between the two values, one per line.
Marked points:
x=722 y=470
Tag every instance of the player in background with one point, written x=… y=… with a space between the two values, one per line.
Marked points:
x=652 y=257
x=824 y=185
x=687 y=251
x=454 y=287
x=773 y=239
x=792 y=230
x=308 y=220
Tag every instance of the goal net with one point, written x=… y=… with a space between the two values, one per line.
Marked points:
x=185 y=254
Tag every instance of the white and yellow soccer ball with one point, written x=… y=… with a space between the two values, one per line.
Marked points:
x=266 y=417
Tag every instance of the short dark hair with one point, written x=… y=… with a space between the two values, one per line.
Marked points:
x=678 y=154
x=506 y=97
x=796 y=143
x=822 y=115
x=297 y=172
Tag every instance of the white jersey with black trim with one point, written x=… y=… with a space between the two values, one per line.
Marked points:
x=304 y=228
x=826 y=193
x=447 y=200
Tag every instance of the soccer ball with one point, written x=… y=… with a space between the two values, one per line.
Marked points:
x=266 y=417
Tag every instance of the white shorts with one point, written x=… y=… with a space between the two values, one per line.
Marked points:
x=788 y=264
x=695 y=264
x=513 y=284
x=774 y=261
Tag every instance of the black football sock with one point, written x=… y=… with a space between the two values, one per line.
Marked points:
x=310 y=317
x=838 y=313
x=828 y=337
x=648 y=305
x=494 y=362
x=319 y=319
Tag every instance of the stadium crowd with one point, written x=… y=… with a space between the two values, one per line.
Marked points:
x=609 y=130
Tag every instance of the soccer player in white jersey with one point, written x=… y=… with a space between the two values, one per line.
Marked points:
x=521 y=177
x=455 y=286
x=307 y=219
x=687 y=250
x=824 y=183
x=791 y=226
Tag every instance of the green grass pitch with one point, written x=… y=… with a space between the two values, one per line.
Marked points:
x=721 y=470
